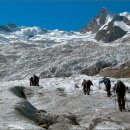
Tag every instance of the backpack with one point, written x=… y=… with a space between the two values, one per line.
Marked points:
x=107 y=81
x=120 y=88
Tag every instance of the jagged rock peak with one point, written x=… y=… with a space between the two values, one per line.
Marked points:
x=8 y=28
x=96 y=22
x=104 y=10
x=102 y=16
x=108 y=27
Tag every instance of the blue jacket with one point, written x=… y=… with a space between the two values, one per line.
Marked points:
x=106 y=81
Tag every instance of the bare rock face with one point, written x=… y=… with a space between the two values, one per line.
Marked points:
x=111 y=34
x=95 y=24
x=105 y=28
x=95 y=69
x=122 y=71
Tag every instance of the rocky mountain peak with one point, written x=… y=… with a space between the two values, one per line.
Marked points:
x=104 y=10
x=96 y=22
x=102 y=16
x=108 y=27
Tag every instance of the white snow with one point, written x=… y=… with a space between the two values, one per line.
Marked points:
x=126 y=14
x=91 y=108
x=98 y=21
x=35 y=35
x=122 y=25
x=26 y=31
x=108 y=19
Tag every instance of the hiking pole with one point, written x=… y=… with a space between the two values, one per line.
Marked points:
x=99 y=85
x=127 y=103
x=115 y=102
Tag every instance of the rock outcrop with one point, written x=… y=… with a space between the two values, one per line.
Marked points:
x=95 y=69
x=108 y=27
x=122 y=71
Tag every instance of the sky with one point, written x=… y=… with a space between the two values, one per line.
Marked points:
x=69 y=15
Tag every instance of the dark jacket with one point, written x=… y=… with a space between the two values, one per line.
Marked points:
x=87 y=83
x=120 y=88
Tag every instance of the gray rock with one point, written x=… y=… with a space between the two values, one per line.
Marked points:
x=18 y=91
x=95 y=69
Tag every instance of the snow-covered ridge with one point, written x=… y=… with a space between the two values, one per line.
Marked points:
x=26 y=32
x=108 y=26
x=118 y=23
x=37 y=35
x=126 y=14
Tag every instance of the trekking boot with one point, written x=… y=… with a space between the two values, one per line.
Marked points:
x=120 y=108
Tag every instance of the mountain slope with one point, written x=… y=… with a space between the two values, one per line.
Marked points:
x=108 y=27
x=54 y=53
x=21 y=60
x=59 y=97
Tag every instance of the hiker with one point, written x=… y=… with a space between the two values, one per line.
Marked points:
x=34 y=81
x=107 y=83
x=86 y=86
x=120 y=89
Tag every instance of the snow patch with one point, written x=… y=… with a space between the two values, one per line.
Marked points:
x=126 y=14
x=26 y=32
x=122 y=25
x=108 y=19
x=106 y=125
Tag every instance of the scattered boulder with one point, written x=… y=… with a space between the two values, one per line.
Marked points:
x=18 y=91
x=44 y=119
x=39 y=117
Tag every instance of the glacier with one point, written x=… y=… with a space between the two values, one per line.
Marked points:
x=58 y=57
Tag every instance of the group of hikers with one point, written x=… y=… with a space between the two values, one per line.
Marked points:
x=34 y=80
x=119 y=88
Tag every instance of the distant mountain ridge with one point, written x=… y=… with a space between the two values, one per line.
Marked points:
x=8 y=28
x=55 y=53
x=108 y=27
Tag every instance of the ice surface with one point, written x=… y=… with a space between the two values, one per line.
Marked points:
x=95 y=111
